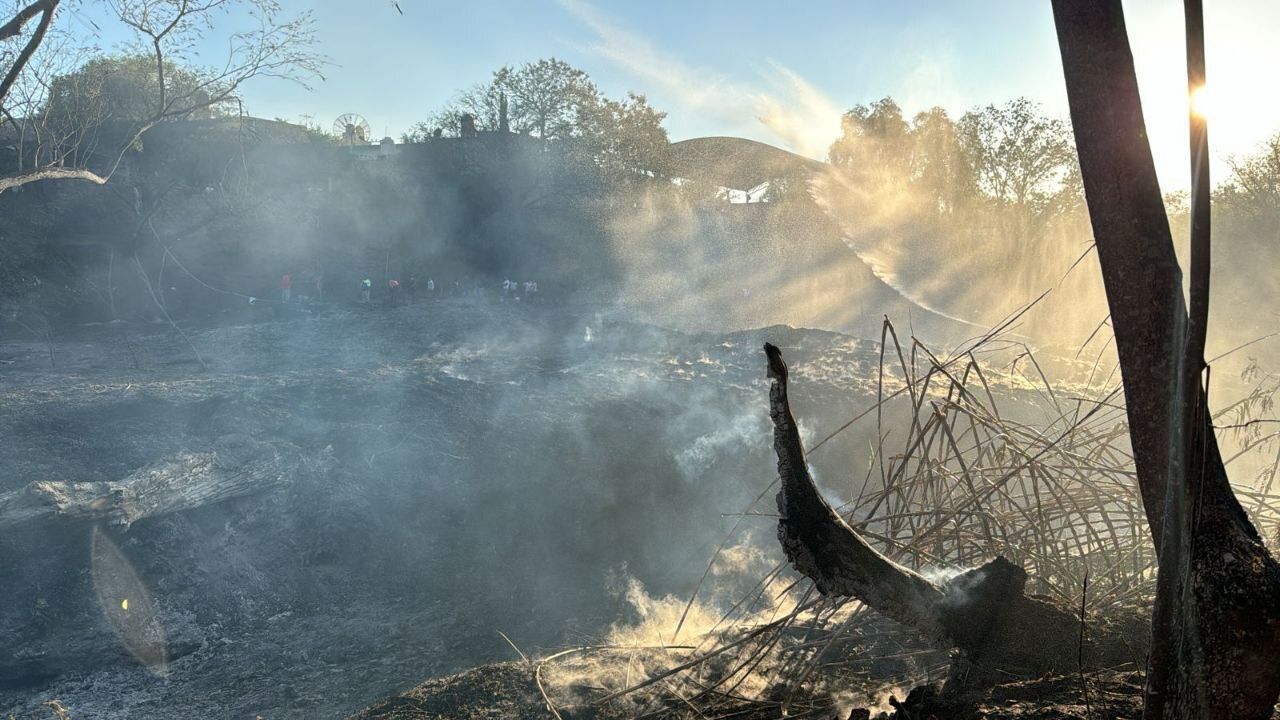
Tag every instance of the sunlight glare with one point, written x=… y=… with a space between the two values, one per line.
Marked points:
x=1202 y=104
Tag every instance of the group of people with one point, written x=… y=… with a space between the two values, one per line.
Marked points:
x=415 y=287
x=511 y=289
x=312 y=289
x=398 y=293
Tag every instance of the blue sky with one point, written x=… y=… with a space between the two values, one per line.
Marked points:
x=765 y=70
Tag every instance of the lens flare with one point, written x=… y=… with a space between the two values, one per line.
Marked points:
x=118 y=588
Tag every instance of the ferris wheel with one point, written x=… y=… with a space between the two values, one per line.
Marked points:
x=351 y=129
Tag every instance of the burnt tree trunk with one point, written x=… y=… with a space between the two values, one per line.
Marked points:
x=181 y=482
x=985 y=613
x=1216 y=631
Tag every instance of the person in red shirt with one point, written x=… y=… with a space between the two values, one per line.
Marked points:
x=286 y=288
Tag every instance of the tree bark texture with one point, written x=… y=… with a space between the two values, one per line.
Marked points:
x=1216 y=630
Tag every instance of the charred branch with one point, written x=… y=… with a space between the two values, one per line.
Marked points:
x=983 y=612
x=821 y=546
x=184 y=481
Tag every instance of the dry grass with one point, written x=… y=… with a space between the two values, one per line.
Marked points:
x=962 y=480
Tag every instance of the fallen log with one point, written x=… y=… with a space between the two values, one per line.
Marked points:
x=184 y=481
x=983 y=612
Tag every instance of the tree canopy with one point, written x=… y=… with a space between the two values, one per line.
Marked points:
x=553 y=101
x=60 y=87
x=1254 y=187
x=127 y=88
x=1009 y=155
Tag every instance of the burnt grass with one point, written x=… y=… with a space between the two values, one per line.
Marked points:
x=493 y=471
x=509 y=690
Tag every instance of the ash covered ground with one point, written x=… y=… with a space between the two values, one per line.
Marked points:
x=489 y=468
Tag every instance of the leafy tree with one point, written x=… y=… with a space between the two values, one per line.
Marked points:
x=105 y=101
x=938 y=163
x=481 y=101
x=553 y=101
x=1001 y=184
x=52 y=100
x=127 y=88
x=622 y=137
x=1246 y=220
x=1254 y=188
x=1019 y=157
x=543 y=100
x=545 y=97
x=1011 y=154
x=874 y=136
x=926 y=154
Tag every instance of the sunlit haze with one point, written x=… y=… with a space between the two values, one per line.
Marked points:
x=771 y=72
x=605 y=360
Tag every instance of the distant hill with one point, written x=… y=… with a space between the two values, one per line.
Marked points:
x=218 y=210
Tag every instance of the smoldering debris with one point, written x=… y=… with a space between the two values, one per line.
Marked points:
x=977 y=477
x=452 y=446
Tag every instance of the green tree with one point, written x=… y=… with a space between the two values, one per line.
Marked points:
x=481 y=101
x=938 y=164
x=545 y=96
x=553 y=101
x=998 y=187
x=924 y=157
x=874 y=135
x=1019 y=156
x=1254 y=188
x=623 y=138
x=1246 y=221
x=126 y=89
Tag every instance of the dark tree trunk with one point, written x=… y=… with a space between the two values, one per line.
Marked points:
x=1216 y=632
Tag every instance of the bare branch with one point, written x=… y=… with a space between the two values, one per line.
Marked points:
x=24 y=16
x=65 y=144
x=50 y=173
x=46 y=7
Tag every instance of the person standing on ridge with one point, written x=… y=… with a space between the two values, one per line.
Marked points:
x=286 y=288
x=366 y=289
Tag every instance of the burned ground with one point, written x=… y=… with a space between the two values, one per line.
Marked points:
x=491 y=471
x=485 y=468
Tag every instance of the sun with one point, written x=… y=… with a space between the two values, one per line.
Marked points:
x=1202 y=102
